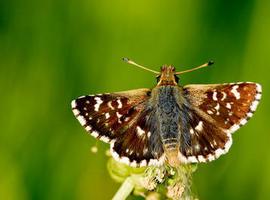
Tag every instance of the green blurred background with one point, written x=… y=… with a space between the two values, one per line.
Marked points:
x=56 y=50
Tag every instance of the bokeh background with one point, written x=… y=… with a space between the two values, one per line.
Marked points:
x=53 y=51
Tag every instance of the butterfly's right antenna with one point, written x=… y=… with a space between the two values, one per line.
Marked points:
x=195 y=68
x=140 y=66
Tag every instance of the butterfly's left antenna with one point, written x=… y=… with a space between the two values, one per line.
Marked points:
x=140 y=66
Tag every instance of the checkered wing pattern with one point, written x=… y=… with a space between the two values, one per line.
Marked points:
x=216 y=112
x=123 y=120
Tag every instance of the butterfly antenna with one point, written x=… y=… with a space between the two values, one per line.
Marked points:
x=140 y=66
x=195 y=68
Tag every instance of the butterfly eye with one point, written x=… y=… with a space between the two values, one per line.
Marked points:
x=158 y=78
x=176 y=78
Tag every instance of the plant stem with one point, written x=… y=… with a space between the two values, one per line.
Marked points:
x=125 y=190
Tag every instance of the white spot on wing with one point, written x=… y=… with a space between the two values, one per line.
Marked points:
x=107 y=115
x=243 y=121
x=126 y=119
x=110 y=105
x=192 y=159
x=125 y=160
x=140 y=132
x=250 y=114
x=228 y=105
x=88 y=128
x=94 y=134
x=199 y=127
x=113 y=153
x=228 y=143
x=258 y=87
x=149 y=134
x=76 y=111
x=104 y=139
x=224 y=95
x=81 y=120
x=81 y=97
x=201 y=158
x=73 y=104
x=143 y=163
x=98 y=103
x=254 y=105
x=258 y=96
x=210 y=157
x=209 y=112
x=217 y=107
x=118 y=116
x=153 y=162
x=235 y=92
x=215 y=96
x=134 y=163
x=219 y=152
x=234 y=128
x=119 y=103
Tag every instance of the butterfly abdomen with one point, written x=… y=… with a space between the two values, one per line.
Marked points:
x=168 y=113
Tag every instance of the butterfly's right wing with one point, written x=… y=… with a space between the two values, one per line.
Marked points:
x=213 y=114
x=125 y=120
x=230 y=105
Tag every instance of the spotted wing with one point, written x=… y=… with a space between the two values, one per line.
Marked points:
x=123 y=120
x=215 y=112
x=140 y=144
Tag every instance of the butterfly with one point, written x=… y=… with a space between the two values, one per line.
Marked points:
x=169 y=124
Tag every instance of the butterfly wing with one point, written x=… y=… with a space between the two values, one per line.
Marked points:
x=123 y=120
x=140 y=144
x=104 y=115
x=215 y=112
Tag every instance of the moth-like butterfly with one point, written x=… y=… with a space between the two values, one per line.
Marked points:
x=168 y=124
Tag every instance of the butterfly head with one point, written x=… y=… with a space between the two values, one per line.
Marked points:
x=167 y=76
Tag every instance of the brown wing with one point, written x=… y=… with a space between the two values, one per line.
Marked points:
x=229 y=105
x=140 y=143
x=120 y=119
x=104 y=115
x=216 y=111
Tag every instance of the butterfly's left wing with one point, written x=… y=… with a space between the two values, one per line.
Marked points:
x=213 y=114
x=123 y=119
